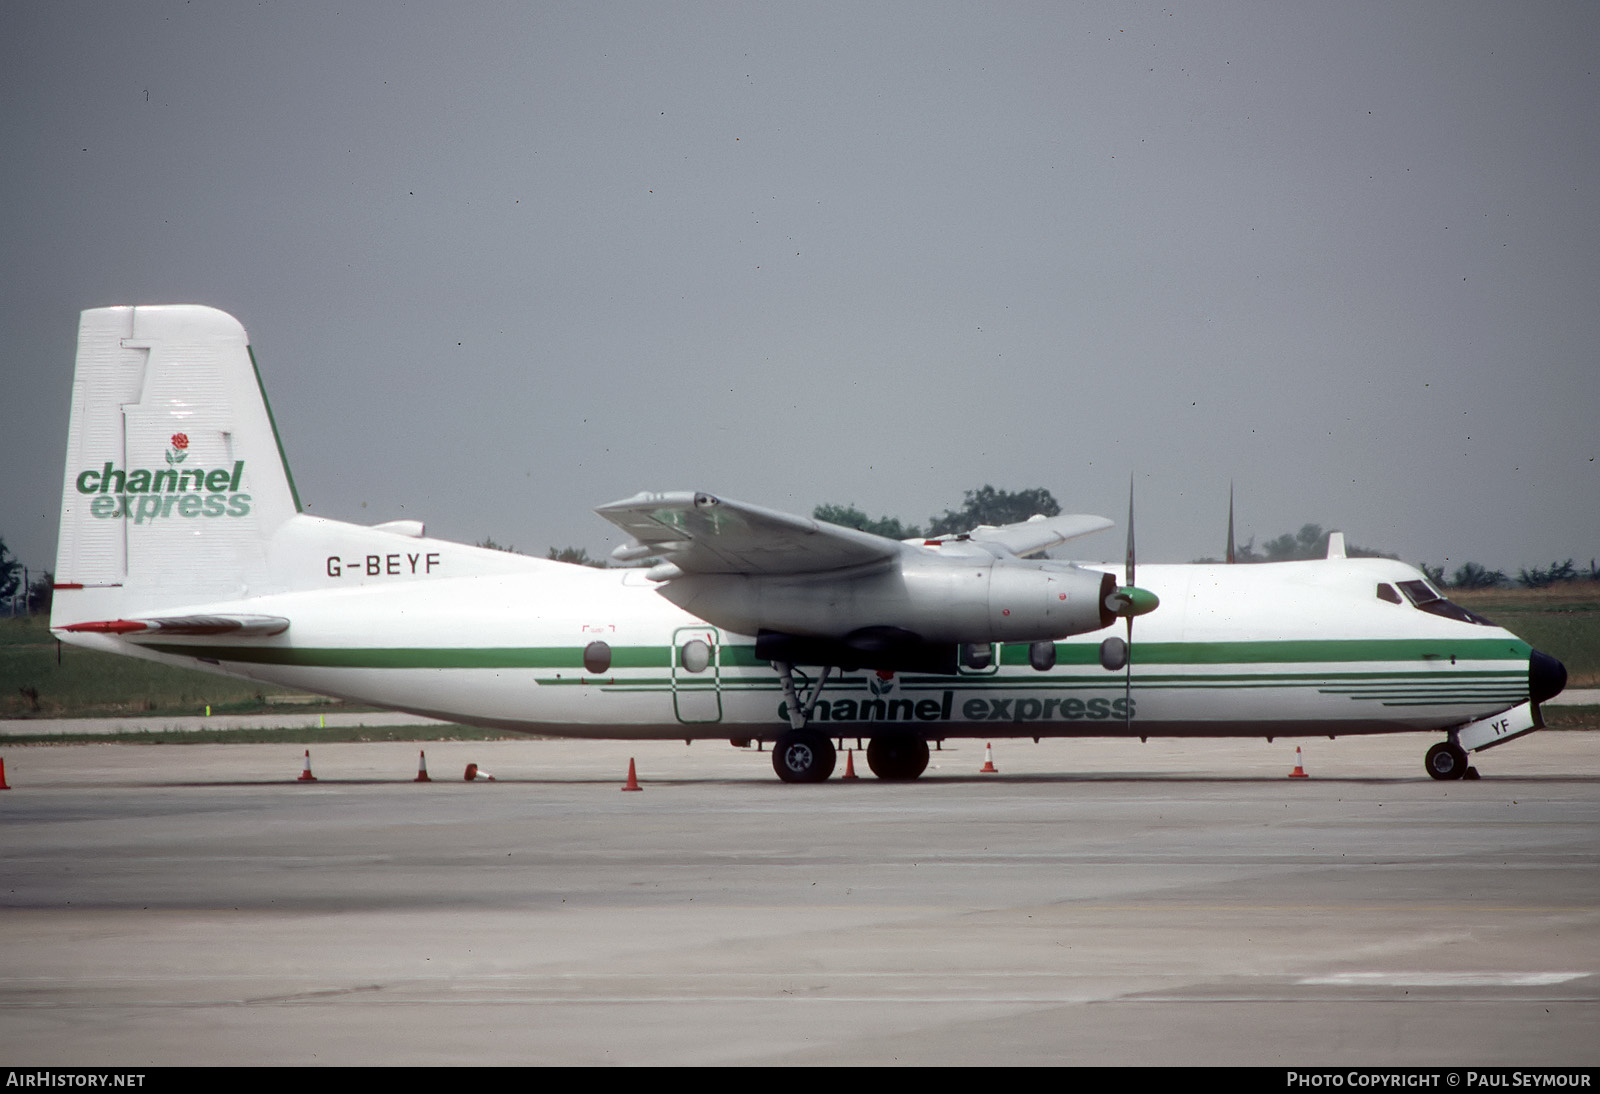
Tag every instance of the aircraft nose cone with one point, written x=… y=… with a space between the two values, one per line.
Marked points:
x=1546 y=677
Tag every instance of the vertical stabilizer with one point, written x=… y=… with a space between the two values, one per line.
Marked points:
x=175 y=480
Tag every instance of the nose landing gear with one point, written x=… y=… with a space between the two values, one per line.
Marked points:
x=1446 y=760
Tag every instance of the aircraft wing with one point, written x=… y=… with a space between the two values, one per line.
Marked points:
x=705 y=534
x=1038 y=533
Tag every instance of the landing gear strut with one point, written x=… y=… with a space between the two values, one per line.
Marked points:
x=799 y=714
x=1446 y=760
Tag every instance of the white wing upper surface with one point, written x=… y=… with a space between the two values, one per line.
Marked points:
x=1038 y=534
x=701 y=533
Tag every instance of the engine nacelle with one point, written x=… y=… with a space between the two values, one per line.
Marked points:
x=1035 y=601
x=936 y=600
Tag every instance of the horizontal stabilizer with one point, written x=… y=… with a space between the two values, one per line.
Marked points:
x=236 y=626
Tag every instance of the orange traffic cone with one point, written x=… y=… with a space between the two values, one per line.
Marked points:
x=633 y=779
x=850 y=765
x=305 y=775
x=3 y=784
x=422 y=768
x=1299 y=772
x=472 y=774
x=988 y=767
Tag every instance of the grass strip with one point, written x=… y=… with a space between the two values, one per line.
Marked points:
x=306 y=735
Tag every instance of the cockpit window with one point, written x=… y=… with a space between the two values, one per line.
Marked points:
x=1427 y=598
x=1386 y=592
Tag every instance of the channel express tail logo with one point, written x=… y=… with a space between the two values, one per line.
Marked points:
x=154 y=494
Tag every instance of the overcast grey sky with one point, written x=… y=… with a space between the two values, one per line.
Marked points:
x=504 y=262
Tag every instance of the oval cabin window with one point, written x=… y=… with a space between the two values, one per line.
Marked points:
x=596 y=658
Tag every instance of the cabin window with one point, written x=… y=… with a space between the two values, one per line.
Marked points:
x=695 y=656
x=1427 y=598
x=596 y=658
x=1386 y=592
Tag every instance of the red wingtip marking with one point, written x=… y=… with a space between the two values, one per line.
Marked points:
x=108 y=626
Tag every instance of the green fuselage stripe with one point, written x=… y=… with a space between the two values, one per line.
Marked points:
x=1422 y=652
x=1288 y=650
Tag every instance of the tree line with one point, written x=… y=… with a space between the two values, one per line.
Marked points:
x=17 y=599
x=1470 y=575
x=985 y=505
x=1311 y=541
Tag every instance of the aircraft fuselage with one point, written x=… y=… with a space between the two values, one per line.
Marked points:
x=486 y=638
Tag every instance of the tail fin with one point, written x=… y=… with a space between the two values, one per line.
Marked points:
x=175 y=478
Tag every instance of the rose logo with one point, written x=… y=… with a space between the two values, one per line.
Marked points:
x=180 y=448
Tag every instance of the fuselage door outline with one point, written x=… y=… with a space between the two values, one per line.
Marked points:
x=697 y=675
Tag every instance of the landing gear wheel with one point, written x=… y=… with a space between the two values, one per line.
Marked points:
x=897 y=756
x=802 y=756
x=1446 y=761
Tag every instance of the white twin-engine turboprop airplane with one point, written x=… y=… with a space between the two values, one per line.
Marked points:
x=182 y=542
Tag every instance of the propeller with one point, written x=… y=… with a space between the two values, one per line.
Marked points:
x=1128 y=601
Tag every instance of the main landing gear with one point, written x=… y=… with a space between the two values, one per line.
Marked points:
x=1447 y=760
x=803 y=756
x=897 y=756
x=806 y=756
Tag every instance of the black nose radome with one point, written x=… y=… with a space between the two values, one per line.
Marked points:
x=1546 y=677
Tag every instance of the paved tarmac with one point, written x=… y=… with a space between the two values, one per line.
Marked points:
x=1096 y=902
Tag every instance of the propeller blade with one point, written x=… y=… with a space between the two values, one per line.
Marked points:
x=1231 y=557
x=1127 y=683
x=1130 y=532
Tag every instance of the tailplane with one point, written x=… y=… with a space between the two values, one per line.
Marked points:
x=175 y=479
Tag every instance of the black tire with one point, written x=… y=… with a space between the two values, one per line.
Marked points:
x=897 y=756
x=1445 y=761
x=801 y=756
